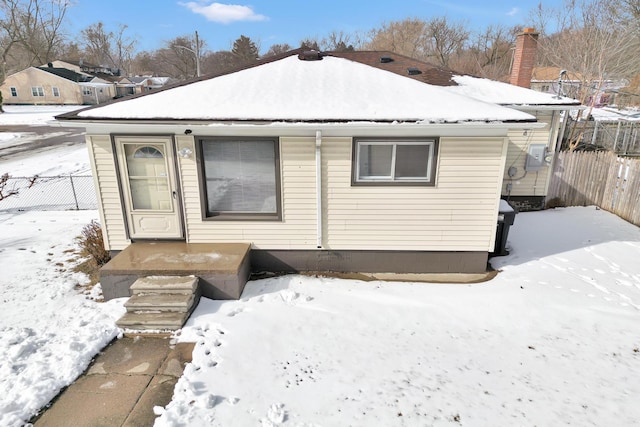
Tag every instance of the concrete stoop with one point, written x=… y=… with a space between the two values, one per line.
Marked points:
x=160 y=303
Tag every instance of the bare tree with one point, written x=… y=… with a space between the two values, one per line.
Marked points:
x=340 y=41
x=178 y=58
x=277 y=49
x=5 y=191
x=310 y=43
x=407 y=37
x=594 y=45
x=447 y=39
x=437 y=40
x=489 y=53
x=103 y=47
x=31 y=31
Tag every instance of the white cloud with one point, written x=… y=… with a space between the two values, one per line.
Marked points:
x=223 y=13
x=513 y=11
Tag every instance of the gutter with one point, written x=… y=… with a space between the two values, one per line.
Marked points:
x=298 y=129
x=319 y=188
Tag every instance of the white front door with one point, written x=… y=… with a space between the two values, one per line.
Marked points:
x=148 y=178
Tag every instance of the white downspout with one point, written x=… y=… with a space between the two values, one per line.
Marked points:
x=319 y=187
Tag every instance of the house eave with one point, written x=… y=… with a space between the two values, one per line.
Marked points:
x=285 y=128
x=545 y=107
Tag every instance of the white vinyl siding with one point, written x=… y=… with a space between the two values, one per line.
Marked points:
x=109 y=201
x=296 y=230
x=458 y=214
x=530 y=183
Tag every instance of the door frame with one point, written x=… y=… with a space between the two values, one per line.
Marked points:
x=174 y=180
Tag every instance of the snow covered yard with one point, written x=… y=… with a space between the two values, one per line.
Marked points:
x=50 y=330
x=33 y=114
x=552 y=340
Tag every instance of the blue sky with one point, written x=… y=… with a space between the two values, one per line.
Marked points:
x=278 y=21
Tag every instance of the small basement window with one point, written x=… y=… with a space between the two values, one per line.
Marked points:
x=395 y=161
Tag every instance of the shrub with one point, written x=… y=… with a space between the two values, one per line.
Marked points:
x=92 y=245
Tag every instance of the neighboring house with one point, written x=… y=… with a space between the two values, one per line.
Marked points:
x=68 y=82
x=525 y=181
x=148 y=83
x=554 y=80
x=83 y=67
x=43 y=85
x=319 y=162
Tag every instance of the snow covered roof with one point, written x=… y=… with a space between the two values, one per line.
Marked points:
x=289 y=89
x=479 y=88
x=504 y=93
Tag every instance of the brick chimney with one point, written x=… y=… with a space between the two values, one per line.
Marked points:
x=524 y=58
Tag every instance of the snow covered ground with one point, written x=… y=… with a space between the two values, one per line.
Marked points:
x=552 y=340
x=33 y=114
x=50 y=329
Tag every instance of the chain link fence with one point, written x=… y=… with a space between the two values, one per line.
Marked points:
x=622 y=137
x=47 y=193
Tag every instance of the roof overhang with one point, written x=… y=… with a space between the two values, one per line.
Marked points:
x=546 y=107
x=298 y=128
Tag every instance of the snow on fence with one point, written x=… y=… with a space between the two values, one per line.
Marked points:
x=597 y=178
x=47 y=193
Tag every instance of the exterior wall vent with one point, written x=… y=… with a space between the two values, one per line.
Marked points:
x=413 y=71
x=310 y=55
x=386 y=59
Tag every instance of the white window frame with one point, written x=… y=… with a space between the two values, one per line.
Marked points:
x=37 y=91
x=14 y=91
x=55 y=91
x=391 y=179
x=87 y=91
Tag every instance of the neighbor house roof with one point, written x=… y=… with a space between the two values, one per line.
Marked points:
x=67 y=74
x=551 y=74
x=479 y=88
x=330 y=89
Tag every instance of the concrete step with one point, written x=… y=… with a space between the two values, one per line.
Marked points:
x=180 y=303
x=144 y=321
x=165 y=284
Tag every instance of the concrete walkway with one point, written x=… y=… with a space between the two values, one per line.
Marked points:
x=121 y=387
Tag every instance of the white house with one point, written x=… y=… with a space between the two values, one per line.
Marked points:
x=318 y=162
x=526 y=174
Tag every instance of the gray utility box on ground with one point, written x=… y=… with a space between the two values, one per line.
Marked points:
x=506 y=218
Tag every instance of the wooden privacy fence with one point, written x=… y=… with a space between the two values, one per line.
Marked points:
x=597 y=178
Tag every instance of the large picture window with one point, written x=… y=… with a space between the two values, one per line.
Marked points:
x=395 y=161
x=241 y=178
